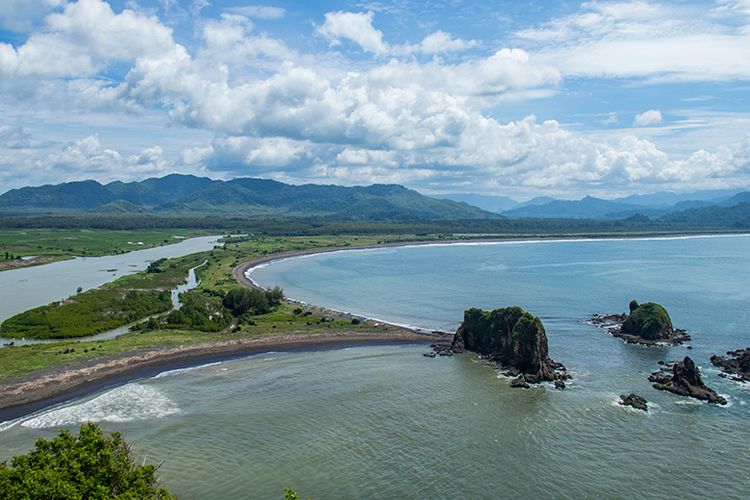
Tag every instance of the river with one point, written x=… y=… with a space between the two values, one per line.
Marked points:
x=35 y=286
x=386 y=422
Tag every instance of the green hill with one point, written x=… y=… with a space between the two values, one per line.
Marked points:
x=186 y=194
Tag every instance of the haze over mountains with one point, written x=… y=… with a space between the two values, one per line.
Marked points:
x=651 y=205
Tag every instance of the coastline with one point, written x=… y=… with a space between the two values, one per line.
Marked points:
x=239 y=271
x=46 y=388
x=64 y=383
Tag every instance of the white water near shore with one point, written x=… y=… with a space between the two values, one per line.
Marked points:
x=386 y=422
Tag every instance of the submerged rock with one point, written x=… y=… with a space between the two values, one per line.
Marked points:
x=634 y=400
x=647 y=323
x=736 y=364
x=512 y=338
x=686 y=381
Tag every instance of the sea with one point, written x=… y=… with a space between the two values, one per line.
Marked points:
x=386 y=422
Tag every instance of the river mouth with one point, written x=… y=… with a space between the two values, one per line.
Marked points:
x=384 y=421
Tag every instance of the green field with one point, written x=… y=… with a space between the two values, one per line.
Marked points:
x=115 y=304
x=85 y=242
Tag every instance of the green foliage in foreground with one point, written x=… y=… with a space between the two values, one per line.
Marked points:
x=649 y=321
x=89 y=465
x=123 y=301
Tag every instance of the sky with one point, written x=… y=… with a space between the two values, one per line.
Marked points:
x=516 y=98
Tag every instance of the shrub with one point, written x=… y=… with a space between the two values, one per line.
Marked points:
x=89 y=465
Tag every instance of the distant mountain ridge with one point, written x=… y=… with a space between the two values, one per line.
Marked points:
x=177 y=193
x=590 y=207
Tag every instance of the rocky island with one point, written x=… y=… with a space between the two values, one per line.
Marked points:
x=684 y=378
x=634 y=400
x=648 y=323
x=735 y=366
x=513 y=339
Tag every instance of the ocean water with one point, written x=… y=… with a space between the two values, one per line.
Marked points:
x=386 y=422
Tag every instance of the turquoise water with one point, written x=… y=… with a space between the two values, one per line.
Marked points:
x=385 y=422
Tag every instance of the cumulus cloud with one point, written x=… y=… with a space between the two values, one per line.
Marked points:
x=81 y=39
x=316 y=117
x=440 y=41
x=353 y=26
x=648 y=118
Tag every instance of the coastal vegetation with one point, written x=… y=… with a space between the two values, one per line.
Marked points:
x=203 y=316
x=115 y=304
x=91 y=464
x=649 y=321
x=50 y=242
x=511 y=337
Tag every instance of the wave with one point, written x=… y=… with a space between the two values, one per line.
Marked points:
x=178 y=371
x=122 y=404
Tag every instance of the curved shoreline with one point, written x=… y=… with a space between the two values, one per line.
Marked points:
x=56 y=385
x=64 y=383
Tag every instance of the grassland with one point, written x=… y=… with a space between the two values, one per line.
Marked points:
x=115 y=304
x=216 y=279
x=48 y=245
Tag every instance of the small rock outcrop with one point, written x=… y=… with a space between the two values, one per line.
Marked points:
x=685 y=380
x=634 y=400
x=647 y=323
x=736 y=364
x=512 y=338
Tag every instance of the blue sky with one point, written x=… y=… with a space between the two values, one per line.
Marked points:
x=511 y=98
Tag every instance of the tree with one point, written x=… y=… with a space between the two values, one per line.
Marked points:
x=242 y=300
x=633 y=305
x=275 y=296
x=89 y=465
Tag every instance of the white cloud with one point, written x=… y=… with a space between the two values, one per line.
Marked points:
x=645 y=40
x=20 y=15
x=80 y=40
x=322 y=117
x=259 y=11
x=648 y=118
x=440 y=41
x=612 y=119
x=353 y=26
x=14 y=137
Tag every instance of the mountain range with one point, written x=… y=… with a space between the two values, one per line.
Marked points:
x=654 y=205
x=187 y=194
x=249 y=197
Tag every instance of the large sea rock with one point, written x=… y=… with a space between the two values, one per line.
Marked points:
x=685 y=380
x=736 y=364
x=511 y=337
x=648 y=323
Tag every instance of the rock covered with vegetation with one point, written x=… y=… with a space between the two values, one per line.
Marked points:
x=736 y=364
x=89 y=465
x=684 y=378
x=511 y=337
x=648 y=323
